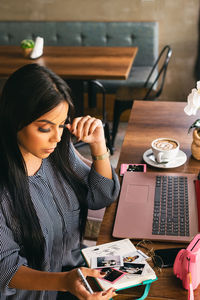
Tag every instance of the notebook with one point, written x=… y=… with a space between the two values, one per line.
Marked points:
x=141 y=214
x=134 y=271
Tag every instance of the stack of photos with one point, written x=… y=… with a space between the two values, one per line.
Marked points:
x=116 y=266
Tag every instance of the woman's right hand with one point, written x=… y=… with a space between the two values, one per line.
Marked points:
x=75 y=286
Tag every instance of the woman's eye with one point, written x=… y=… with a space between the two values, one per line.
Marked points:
x=48 y=129
x=43 y=129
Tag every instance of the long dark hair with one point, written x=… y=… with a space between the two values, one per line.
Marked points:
x=30 y=92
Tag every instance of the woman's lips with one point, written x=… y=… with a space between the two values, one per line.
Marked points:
x=49 y=150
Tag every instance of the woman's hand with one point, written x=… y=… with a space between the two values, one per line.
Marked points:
x=75 y=286
x=90 y=130
x=87 y=129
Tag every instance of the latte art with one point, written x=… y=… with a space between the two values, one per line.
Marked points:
x=165 y=144
x=165 y=149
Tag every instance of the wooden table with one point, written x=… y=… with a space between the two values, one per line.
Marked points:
x=74 y=62
x=148 y=121
x=77 y=63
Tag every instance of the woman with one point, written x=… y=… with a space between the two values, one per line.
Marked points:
x=46 y=189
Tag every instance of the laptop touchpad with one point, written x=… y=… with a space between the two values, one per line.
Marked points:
x=137 y=193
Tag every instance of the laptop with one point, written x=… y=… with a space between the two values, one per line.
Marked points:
x=157 y=206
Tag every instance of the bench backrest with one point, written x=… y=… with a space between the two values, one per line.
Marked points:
x=69 y=33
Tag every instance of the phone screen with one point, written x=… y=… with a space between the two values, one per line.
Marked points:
x=168 y=256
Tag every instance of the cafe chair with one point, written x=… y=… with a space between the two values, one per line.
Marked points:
x=2 y=82
x=97 y=86
x=126 y=95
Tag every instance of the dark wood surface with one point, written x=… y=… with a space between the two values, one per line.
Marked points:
x=148 y=121
x=74 y=62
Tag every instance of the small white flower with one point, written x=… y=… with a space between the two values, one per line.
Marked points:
x=198 y=85
x=193 y=101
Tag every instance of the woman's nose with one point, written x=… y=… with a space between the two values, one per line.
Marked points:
x=56 y=136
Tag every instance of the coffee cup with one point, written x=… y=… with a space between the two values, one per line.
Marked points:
x=165 y=149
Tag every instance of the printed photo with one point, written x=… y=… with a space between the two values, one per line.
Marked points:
x=132 y=268
x=112 y=275
x=130 y=259
x=134 y=257
x=106 y=261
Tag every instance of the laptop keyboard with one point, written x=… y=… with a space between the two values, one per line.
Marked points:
x=171 y=211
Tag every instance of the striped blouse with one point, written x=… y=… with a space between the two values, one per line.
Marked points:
x=59 y=219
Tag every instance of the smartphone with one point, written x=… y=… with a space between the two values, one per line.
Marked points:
x=168 y=256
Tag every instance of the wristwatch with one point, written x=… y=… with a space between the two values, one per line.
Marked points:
x=101 y=157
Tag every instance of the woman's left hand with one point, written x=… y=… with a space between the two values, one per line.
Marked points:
x=74 y=285
x=87 y=129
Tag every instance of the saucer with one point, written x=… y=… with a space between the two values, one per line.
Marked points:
x=149 y=158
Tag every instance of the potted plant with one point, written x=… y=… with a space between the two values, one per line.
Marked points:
x=27 y=47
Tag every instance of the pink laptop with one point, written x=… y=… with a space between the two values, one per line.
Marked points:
x=157 y=206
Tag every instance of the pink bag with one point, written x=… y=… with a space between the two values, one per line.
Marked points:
x=187 y=265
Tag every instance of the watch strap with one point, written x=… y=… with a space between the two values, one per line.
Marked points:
x=101 y=157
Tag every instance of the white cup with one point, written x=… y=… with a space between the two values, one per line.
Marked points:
x=165 y=149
